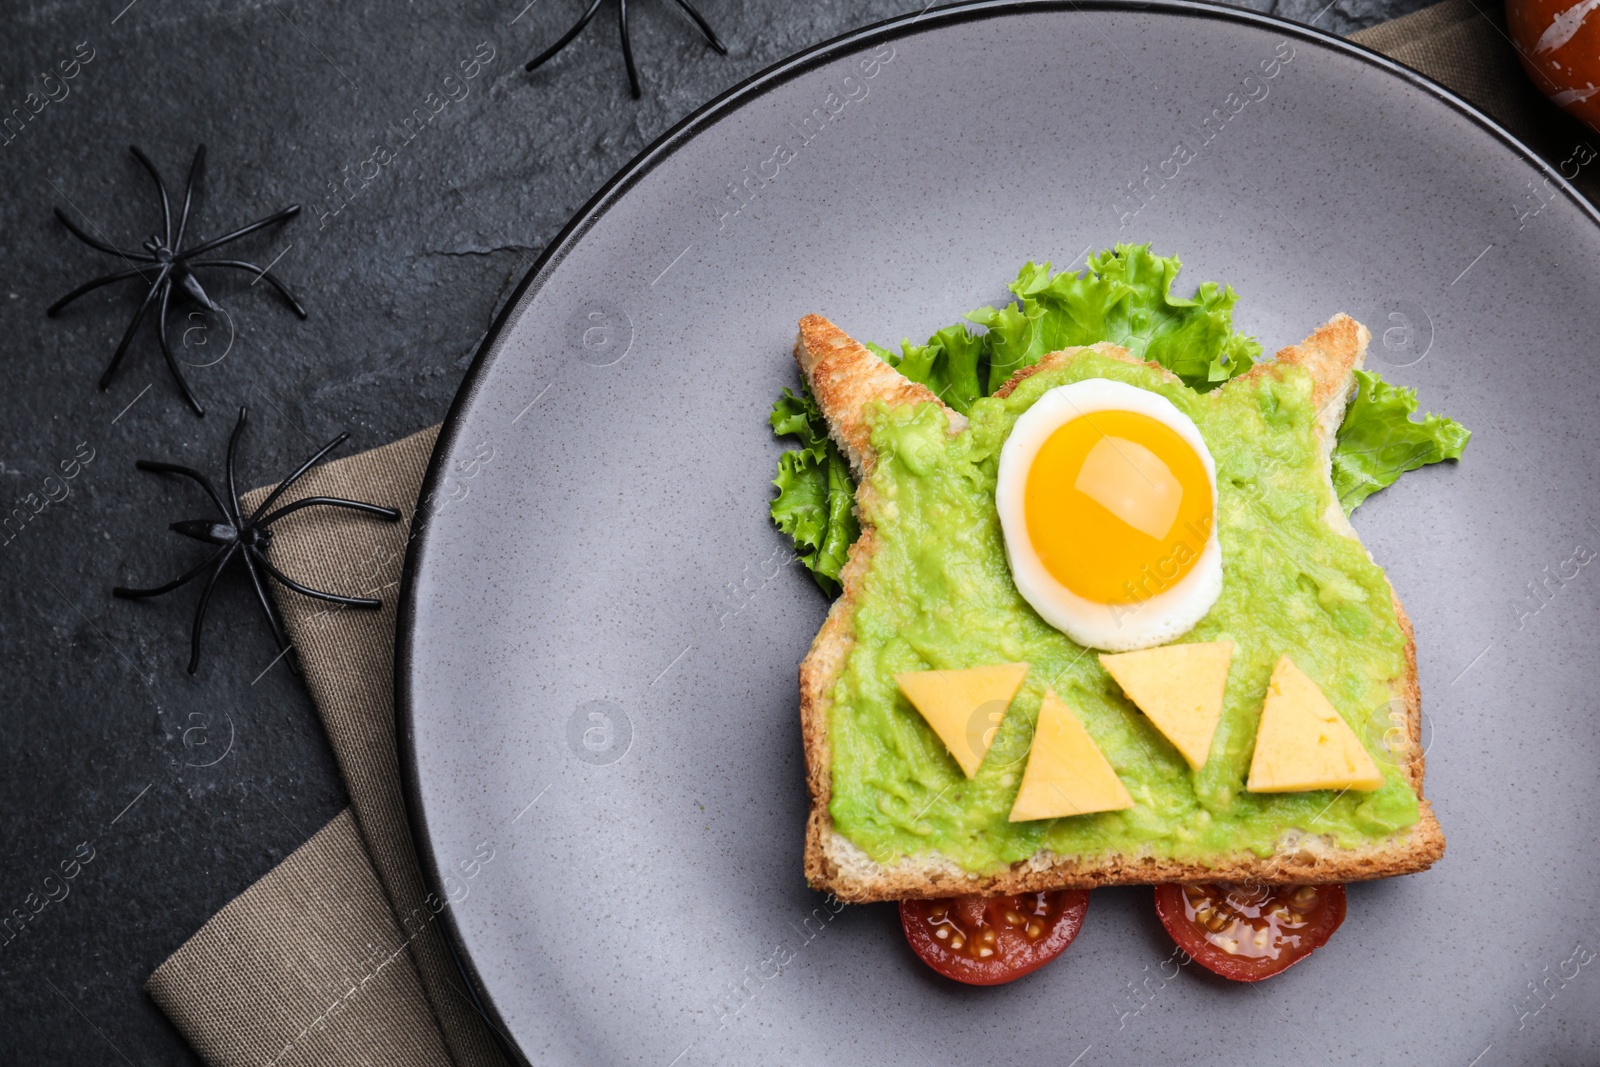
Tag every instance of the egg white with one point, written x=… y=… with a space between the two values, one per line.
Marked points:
x=1159 y=618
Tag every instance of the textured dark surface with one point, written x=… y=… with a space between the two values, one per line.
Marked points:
x=227 y=771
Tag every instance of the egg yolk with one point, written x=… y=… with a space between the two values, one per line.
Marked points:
x=1118 y=506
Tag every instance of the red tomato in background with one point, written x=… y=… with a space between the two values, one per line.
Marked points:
x=1558 y=42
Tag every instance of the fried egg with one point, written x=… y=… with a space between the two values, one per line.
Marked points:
x=1107 y=499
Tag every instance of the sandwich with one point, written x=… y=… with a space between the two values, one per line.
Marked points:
x=1103 y=619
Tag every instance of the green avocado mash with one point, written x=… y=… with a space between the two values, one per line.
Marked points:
x=938 y=594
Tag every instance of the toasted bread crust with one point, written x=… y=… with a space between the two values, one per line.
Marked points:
x=845 y=376
x=1333 y=352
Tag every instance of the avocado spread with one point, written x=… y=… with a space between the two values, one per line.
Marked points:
x=938 y=594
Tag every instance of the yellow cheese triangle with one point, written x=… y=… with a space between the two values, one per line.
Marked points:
x=964 y=707
x=1179 y=687
x=1067 y=773
x=1303 y=743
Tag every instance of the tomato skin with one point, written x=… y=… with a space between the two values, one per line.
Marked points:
x=1008 y=923
x=1563 y=60
x=1300 y=928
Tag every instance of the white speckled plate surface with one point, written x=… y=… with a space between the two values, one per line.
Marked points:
x=596 y=669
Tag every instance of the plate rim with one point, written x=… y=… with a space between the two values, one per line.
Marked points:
x=629 y=175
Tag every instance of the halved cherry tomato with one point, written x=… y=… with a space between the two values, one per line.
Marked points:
x=1250 y=932
x=992 y=940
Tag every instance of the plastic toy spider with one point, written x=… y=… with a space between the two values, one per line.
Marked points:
x=627 y=44
x=166 y=263
x=249 y=537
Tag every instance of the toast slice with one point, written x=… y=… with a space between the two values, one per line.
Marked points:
x=844 y=376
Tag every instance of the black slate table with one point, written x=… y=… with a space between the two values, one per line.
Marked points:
x=426 y=194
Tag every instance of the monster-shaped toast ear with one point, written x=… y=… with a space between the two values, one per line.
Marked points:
x=845 y=377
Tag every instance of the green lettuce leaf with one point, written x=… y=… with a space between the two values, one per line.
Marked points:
x=1124 y=295
x=1379 y=441
x=815 y=504
x=954 y=364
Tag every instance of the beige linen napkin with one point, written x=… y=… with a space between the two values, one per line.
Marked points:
x=335 y=957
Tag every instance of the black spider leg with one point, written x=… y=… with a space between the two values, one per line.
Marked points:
x=266 y=275
x=217 y=561
x=155 y=467
x=370 y=603
x=577 y=27
x=627 y=38
x=262 y=519
x=704 y=27
x=172 y=360
x=231 y=508
x=88 y=287
x=627 y=47
x=205 y=602
x=158 y=287
x=190 y=283
x=178 y=271
x=186 y=261
x=197 y=167
x=161 y=188
x=280 y=632
x=170 y=241
x=100 y=246
x=255 y=555
x=300 y=472
x=124 y=593
x=388 y=514
x=217 y=242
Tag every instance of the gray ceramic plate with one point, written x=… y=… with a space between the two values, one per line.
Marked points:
x=597 y=663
